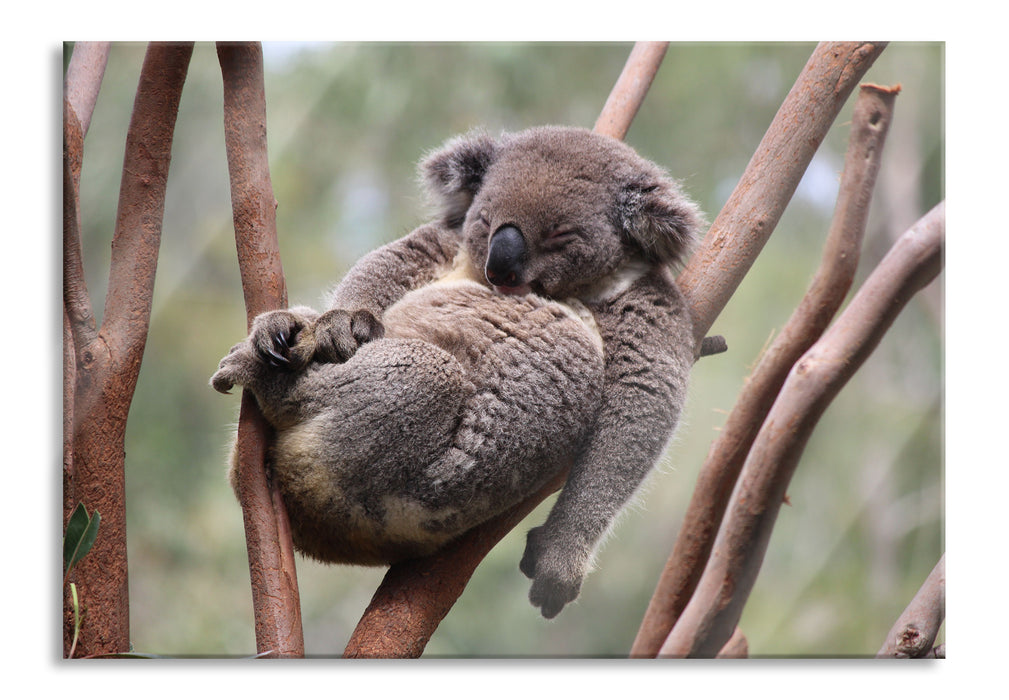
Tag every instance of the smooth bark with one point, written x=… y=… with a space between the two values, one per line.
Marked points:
x=755 y=206
x=870 y=122
x=714 y=610
x=276 y=601
x=631 y=88
x=914 y=633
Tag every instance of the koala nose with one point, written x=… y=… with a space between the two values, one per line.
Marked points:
x=506 y=257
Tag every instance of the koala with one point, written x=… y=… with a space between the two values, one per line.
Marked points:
x=533 y=327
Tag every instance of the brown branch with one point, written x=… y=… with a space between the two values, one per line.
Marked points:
x=736 y=648
x=871 y=120
x=416 y=595
x=76 y=303
x=915 y=631
x=80 y=93
x=84 y=78
x=714 y=610
x=276 y=602
x=752 y=212
x=631 y=88
x=108 y=363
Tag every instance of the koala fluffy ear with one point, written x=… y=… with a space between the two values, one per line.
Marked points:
x=453 y=174
x=657 y=216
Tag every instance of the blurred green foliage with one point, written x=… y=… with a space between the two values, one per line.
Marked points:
x=346 y=125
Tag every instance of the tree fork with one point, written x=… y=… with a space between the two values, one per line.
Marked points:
x=107 y=361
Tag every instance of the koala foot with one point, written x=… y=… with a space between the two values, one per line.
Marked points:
x=556 y=571
x=338 y=334
x=233 y=369
x=278 y=341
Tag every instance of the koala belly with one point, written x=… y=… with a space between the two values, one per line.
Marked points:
x=470 y=403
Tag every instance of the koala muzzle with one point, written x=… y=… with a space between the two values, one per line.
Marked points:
x=506 y=257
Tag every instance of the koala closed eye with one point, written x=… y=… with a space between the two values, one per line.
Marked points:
x=460 y=368
x=560 y=233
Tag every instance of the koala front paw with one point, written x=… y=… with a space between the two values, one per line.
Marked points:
x=339 y=334
x=278 y=341
x=557 y=572
x=283 y=338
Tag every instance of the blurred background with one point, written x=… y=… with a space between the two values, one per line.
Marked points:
x=346 y=126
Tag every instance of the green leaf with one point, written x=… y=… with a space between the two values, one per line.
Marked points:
x=80 y=535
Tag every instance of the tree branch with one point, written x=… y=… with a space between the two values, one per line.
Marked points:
x=915 y=631
x=141 y=209
x=752 y=212
x=108 y=363
x=276 y=601
x=80 y=93
x=415 y=596
x=736 y=648
x=631 y=88
x=714 y=610
x=870 y=122
x=84 y=78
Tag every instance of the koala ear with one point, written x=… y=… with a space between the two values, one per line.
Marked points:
x=453 y=174
x=660 y=219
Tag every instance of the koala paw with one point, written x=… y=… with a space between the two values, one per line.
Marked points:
x=339 y=334
x=233 y=368
x=278 y=341
x=282 y=339
x=556 y=571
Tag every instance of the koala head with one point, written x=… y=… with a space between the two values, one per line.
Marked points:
x=557 y=209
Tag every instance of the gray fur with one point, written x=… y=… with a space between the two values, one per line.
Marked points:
x=426 y=401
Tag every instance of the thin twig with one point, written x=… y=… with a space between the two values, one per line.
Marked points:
x=76 y=301
x=715 y=608
x=870 y=122
x=915 y=631
x=752 y=212
x=84 y=78
x=276 y=601
x=81 y=84
x=631 y=88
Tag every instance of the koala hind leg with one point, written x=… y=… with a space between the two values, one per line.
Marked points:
x=348 y=467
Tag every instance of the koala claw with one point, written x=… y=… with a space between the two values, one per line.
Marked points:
x=275 y=359
x=280 y=340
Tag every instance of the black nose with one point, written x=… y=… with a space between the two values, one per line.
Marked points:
x=506 y=257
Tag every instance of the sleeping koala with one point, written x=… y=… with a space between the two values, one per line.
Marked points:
x=533 y=328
